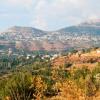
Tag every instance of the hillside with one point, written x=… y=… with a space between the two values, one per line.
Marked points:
x=78 y=60
x=75 y=76
x=84 y=35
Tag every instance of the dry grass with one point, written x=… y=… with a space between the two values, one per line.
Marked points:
x=86 y=59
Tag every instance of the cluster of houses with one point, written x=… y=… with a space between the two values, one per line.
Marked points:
x=51 y=57
x=28 y=56
x=43 y=56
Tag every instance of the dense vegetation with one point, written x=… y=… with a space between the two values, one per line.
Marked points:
x=38 y=80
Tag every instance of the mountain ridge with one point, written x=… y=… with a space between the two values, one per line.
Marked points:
x=84 y=35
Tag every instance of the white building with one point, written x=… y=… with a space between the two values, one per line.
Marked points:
x=98 y=51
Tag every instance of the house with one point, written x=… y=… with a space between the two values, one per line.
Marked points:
x=98 y=51
x=45 y=56
x=28 y=56
x=54 y=56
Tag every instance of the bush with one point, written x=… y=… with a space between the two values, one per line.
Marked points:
x=81 y=73
x=96 y=70
x=96 y=77
x=79 y=76
x=49 y=92
x=50 y=89
x=39 y=86
x=67 y=65
x=18 y=87
x=90 y=88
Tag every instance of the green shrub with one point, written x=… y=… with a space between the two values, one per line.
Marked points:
x=18 y=87
x=81 y=73
x=90 y=88
x=96 y=77
x=50 y=90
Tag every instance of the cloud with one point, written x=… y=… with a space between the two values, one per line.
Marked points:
x=93 y=17
x=40 y=22
x=55 y=11
x=51 y=14
x=17 y=3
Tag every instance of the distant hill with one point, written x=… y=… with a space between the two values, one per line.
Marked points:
x=84 y=35
x=28 y=31
x=89 y=28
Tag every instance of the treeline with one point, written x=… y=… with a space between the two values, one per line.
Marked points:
x=11 y=63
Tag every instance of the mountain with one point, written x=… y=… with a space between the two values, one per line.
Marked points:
x=95 y=23
x=28 y=38
x=90 y=28
x=84 y=35
x=25 y=32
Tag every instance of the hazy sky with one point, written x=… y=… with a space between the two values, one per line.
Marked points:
x=47 y=14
